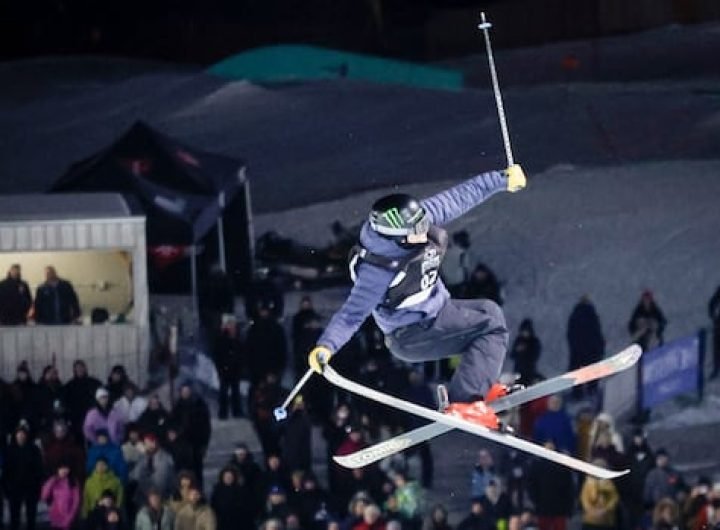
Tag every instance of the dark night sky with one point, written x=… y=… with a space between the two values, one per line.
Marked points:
x=203 y=31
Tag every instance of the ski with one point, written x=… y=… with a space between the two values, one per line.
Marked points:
x=604 y=368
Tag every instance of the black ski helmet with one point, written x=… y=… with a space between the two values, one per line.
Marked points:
x=398 y=216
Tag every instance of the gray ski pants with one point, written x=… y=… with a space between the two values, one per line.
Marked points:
x=474 y=329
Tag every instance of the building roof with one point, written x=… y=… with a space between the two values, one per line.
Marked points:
x=65 y=206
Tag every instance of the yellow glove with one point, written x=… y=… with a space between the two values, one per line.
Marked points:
x=319 y=357
x=516 y=178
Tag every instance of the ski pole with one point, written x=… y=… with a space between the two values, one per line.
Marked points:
x=485 y=27
x=280 y=412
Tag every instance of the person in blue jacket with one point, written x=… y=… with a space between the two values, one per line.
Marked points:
x=395 y=270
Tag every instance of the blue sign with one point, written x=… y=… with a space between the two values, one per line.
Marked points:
x=671 y=370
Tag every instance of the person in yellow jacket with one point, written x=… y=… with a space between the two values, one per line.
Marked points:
x=101 y=479
x=599 y=499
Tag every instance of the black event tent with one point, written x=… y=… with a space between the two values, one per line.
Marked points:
x=184 y=192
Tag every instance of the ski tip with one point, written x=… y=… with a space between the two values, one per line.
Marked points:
x=608 y=474
x=635 y=352
x=349 y=462
x=630 y=355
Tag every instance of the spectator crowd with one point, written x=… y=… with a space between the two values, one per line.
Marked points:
x=103 y=456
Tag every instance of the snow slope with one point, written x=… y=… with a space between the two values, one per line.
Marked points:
x=322 y=141
x=609 y=232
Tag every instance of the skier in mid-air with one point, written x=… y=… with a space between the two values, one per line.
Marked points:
x=395 y=269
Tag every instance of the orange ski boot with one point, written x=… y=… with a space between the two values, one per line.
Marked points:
x=496 y=391
x=477 y=412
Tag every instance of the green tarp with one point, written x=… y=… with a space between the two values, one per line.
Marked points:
x=301 y=63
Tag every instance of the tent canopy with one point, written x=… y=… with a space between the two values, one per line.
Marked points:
x=182 y=190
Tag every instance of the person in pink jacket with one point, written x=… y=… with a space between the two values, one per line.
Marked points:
x=61 y=493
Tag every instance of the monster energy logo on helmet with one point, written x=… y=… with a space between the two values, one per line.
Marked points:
x=398 y=215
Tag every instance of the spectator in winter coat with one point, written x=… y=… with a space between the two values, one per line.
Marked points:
x=61 y=492
x=409 y=497
x=130 y=406
x=133 y=449
x=196 y=514
x=496 y=504
x=482 y=474
x=155 y=470
x=243 y=462
x=102 y=479
x=553 y=505
x=275 y=474
x=478 y=519
x=155 y=418
x=154 y=515
x=605 y=450
x=264 y=398
x=585 y=342
x=372 y=519
x=647 y=323
x=56 y=301
x=79 y=395
x=641 y=460
x=312 y=504
x=662 y=481
x=266 y=346
x=22 y=478
x=103 y=416
x=230 y=360
x=114 y=520
x=108 y=451
x=666 y=516
x=599 y=499
x=484 y=284
x=556 y=425
x=276 y=506
x=305 y=326
x=526 y=352
x=24 y=400
x=117 y=381
x=233 y=502
x=192 y=416
x=604 y=423
x=181 y=496
x=437 y=519
x=296 y=437
x=15 y=298
x=180 y=450
x=61 y=447
x=96 y=518
x=49 y=396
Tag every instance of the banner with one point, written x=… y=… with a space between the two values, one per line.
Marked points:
x=671 y=370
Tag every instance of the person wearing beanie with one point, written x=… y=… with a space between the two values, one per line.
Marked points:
x=103 y=416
